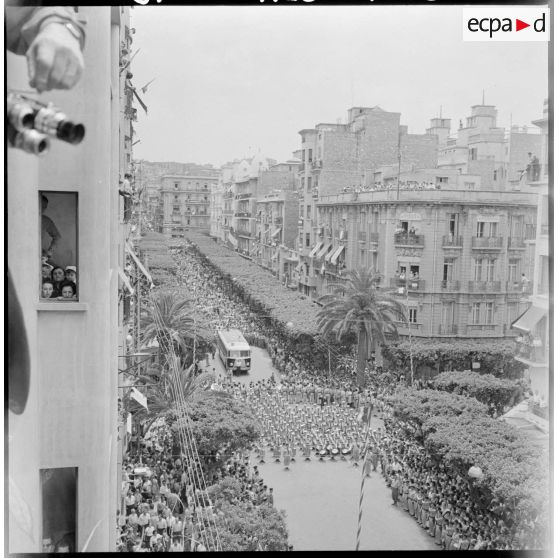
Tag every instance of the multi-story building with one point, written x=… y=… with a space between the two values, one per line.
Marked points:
x=246 y=189
x=454 y=257
x=532 y=328
x=186 y=200
x=63 y=445
x=148 y=180
x=277 y=220
x=482 y=148
x=337 y=156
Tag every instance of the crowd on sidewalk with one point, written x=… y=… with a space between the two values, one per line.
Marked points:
x=317 y=414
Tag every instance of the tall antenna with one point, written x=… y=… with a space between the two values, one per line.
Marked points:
x=483 y=96
x=440 y=112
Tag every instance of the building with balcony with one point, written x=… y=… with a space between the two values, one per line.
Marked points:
x=65 y=439
x=454 y=257
x=346 y=156
x=186 y=202
x=532 y=327
x=276 y=232
x=233 y=206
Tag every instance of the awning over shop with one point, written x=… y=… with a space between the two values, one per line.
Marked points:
x=138 y=263
x=323 y=251
x=233 y=240
x=329 y=254
x=314 y=250
x=529 y=319
x=276 y=232
x=336 y=255
x=125 y=280
x=298 y=268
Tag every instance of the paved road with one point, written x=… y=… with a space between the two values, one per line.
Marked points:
x=321 y=501
x=321 y=498
x=261 y=369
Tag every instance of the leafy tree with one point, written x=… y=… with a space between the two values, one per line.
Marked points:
x=495 y=356
x=357 y=305
x=220 y=426
x=257 y=287
x=494 y=392
x=515 y=467
x=417 y=406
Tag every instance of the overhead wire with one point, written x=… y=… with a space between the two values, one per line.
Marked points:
x=189 y=447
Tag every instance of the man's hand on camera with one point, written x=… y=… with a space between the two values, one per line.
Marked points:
x=54 y=58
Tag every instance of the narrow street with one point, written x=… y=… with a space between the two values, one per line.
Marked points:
x=321 y=498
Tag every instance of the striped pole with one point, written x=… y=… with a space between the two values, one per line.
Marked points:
x=363 y=477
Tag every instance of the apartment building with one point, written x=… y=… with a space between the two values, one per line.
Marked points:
x=482 y=148
x=63 y=447
x=347 y=156
x=277 y=221
x=186 y=201
x=454 y=257
x=533 y=327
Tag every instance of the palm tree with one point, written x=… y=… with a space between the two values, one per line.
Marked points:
x=357 y=305
x=168 y=391
x=169 y=318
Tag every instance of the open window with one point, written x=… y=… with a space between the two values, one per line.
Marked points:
x=59 y=509
x=59 y=273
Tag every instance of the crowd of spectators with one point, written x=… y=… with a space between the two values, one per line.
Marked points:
x=316 y=412
x=58 y=283
x=393 y=185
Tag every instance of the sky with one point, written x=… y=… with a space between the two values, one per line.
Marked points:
x=232 y=81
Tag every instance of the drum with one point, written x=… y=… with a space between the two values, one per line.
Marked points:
x=335 y=451
x=322 y=453
x=345 y=451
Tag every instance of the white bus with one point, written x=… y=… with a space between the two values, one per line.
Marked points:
x=234 y=350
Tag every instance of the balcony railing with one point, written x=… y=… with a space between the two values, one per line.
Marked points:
x=488 y=242
x=408 y=239
x=243 y=233
x=485 y=286
x=451 y=241
x=307 y=280
x=228 y=211
x=450 y=285
x=408 y=325
x=243 y=196
x=516 y=242
x=410 y=284
x=518 y=287
x=242 y=214
x=447 y=329
x=483 y=329
x=362 y=236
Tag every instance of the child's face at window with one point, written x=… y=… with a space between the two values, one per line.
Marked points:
x=46 y=272
x=47 y=290
x=67 y=292
x=58 y=274
x=70 y=275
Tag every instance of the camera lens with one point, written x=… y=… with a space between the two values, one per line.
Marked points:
x=69 y=132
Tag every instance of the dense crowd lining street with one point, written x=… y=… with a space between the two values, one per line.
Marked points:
x=304 y=415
